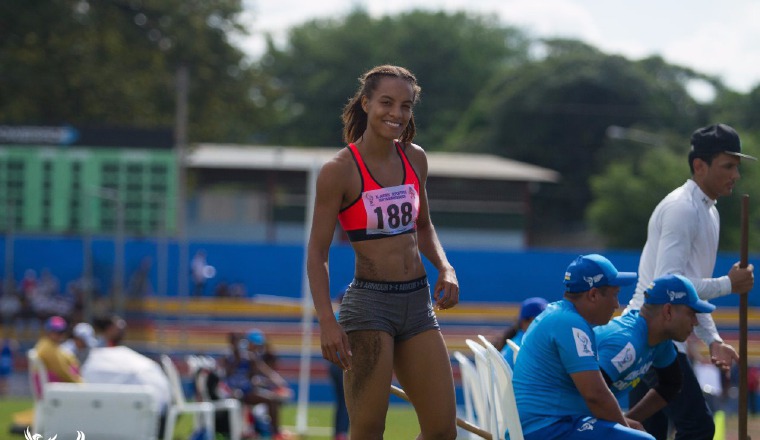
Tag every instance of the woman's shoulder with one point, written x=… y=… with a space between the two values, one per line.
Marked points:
x=417 y=156
x=412 y=148
x=340 y=162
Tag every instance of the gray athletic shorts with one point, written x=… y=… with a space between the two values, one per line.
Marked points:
x=401 y=309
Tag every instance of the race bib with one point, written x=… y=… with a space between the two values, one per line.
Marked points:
x=391 y=210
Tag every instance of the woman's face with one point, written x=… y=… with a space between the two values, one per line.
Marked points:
x=389 y=109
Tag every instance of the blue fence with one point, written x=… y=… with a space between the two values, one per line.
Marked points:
x=484 y=275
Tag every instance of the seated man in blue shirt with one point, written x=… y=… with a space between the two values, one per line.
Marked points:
x=630 y=344
x=559 y=388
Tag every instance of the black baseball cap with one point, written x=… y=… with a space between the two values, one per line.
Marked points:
x=717 y=138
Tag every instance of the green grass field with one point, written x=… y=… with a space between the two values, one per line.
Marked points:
x=402 y=422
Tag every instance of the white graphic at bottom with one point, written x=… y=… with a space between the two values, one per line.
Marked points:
x=29 y=436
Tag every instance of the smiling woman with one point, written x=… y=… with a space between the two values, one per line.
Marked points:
x=375 y=187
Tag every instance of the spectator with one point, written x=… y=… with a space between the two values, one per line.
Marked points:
x=222 y=289
x=82 y=340
x=9 y=347
x=559 y=389
x=10 y=306
x=28 y=283
x=201 y=272
x=60 y=364
x=529 y=309
x=252 y=380
x=139 y=283
x=640 y=341
x=112 y=331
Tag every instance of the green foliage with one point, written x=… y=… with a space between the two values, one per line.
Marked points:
x=556 y=113
x=627 y=192
x=452 y=55
x=113 y=62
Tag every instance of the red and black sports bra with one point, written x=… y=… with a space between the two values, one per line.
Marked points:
x=379 y=211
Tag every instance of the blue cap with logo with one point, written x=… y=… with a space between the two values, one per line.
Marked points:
x=676 y=289
x=594 y=270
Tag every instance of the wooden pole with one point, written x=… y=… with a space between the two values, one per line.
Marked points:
x=743 y=306
x=467 y=426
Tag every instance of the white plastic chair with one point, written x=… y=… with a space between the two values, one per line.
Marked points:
x=515 y=349
x=201 y=367
x=38 y=381
x=475 y=405
x=100 y=411
x=505 y=405
x=483 y=368
x=180 y=406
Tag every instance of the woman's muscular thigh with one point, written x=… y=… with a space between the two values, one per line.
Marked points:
x=369 y=355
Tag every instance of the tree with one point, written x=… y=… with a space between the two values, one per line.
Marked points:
x=556 y=112
x=452 y=55
x=625 y=194
x=112 y=62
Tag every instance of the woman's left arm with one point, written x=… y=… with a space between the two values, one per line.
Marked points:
x=446 y=289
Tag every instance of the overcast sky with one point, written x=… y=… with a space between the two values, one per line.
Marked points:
x=715 y=37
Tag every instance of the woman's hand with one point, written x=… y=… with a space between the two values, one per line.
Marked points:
x=446 y=289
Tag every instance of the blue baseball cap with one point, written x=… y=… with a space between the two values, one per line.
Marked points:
x=255 y=336
x=594 y=270
x=532 y=307
x=676 y=289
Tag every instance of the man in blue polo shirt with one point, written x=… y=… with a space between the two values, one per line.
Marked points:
x=558 y=385
x=632 y=343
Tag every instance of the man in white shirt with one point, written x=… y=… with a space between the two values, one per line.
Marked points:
x=682 y=238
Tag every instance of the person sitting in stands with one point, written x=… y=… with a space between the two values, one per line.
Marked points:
x=253 y=381
x=111 y=331
x=529 y=309
x=61 y=365
x=81 y=341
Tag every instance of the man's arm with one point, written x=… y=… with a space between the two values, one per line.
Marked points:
x=669 y=384
x=598 y=397
x=674 y=250
x=721 y=354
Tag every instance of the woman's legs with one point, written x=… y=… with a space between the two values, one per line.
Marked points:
x=367 y=383
x=341 y=413
x=423 y=369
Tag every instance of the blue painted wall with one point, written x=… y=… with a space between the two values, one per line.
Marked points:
x=484 y=275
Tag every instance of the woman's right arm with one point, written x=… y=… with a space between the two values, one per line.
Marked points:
x=329 y=196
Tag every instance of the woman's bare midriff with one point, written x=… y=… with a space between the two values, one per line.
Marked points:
x=388 y=259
